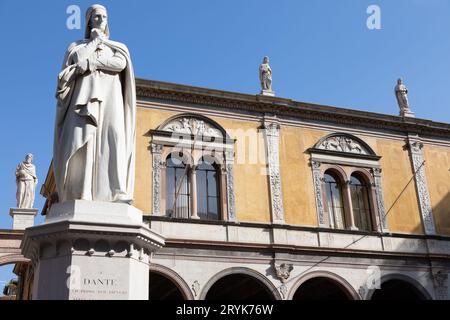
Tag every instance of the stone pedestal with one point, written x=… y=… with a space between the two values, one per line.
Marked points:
x=22 y=218
x=91 y=250
x=407 y=113
x=268 y=93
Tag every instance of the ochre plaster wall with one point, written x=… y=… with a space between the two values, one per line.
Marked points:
x=437 y=168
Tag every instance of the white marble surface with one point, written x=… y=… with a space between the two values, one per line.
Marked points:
x=95 y=132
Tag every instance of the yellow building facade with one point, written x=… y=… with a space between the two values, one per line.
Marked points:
x=261 y=197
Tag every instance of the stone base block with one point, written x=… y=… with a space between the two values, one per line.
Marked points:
x=268 y=93
x=92 y=211
x=90 y=255
x=22 y=218
x=409 y=114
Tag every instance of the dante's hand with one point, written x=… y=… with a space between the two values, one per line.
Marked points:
x=97 y=34
x=82 y=67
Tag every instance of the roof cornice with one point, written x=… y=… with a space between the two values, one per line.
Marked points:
x=280 y=106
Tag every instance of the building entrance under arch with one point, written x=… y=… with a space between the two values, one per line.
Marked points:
x=397 y=290
x=238 y=287
x=321 y=288
x=162 y=288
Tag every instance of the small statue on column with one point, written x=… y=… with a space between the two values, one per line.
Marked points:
x=26 y=181
x=265 y=76
x=401 y=92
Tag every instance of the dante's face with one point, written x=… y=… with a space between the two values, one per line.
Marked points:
x=266 y=60
x=29 y=159
x=99 y=19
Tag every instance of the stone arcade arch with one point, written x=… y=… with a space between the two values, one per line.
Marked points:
x=322 y=285
x=166 y=284
x=239 y=283
x=12 y=259
x=10 y=247
x=399 y=287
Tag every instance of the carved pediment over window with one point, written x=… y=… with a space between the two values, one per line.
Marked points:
x=344 y=143
x=192 y=125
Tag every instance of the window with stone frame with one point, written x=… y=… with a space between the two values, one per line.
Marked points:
x=361 y=204
x=192 y=169
x=177 y=187
x=208 y=189
x=334 y=200
x=347 y=184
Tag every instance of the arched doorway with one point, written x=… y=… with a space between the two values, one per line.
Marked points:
x=239 y=286
x=396 y=289
x=163 y=288
x=321 y=288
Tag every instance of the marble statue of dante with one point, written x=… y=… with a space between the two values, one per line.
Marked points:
x=26 y=181
x=94 y=146
x=401 y=92
x=265 y=75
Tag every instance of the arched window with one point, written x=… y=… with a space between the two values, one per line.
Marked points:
x=208 y=195
x=335 y=202
x=190 y=189
x=177 y=188
x=344 y=200
x=359 y=191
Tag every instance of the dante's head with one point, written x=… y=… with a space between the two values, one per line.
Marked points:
x=266 y=59
x=400 y=81
x=29 y=158
x=96 y=17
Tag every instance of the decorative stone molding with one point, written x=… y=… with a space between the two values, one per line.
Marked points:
x=191 y=125
x=196 y=288
x=440 y=280
x=317 y=180
x=229 y=161
x=283 y=271
x=342 y=144
x=415 y=148
x=272 y=132
x=283 y=291
x=363 y=291
x=152 y=89
x=380 y=199
x=345 y=146
x=157 y=163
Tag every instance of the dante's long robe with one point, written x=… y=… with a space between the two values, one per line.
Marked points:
x=94 y=145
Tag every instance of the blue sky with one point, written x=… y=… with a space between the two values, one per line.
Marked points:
x=321 y=51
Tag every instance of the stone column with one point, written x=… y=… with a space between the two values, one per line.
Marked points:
x=379 y=200
x=317 y=180
x=231 y=206
x=418 y=163
x=348 y=205
x=272 y=133
x=156 y=192
x=193 y=183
